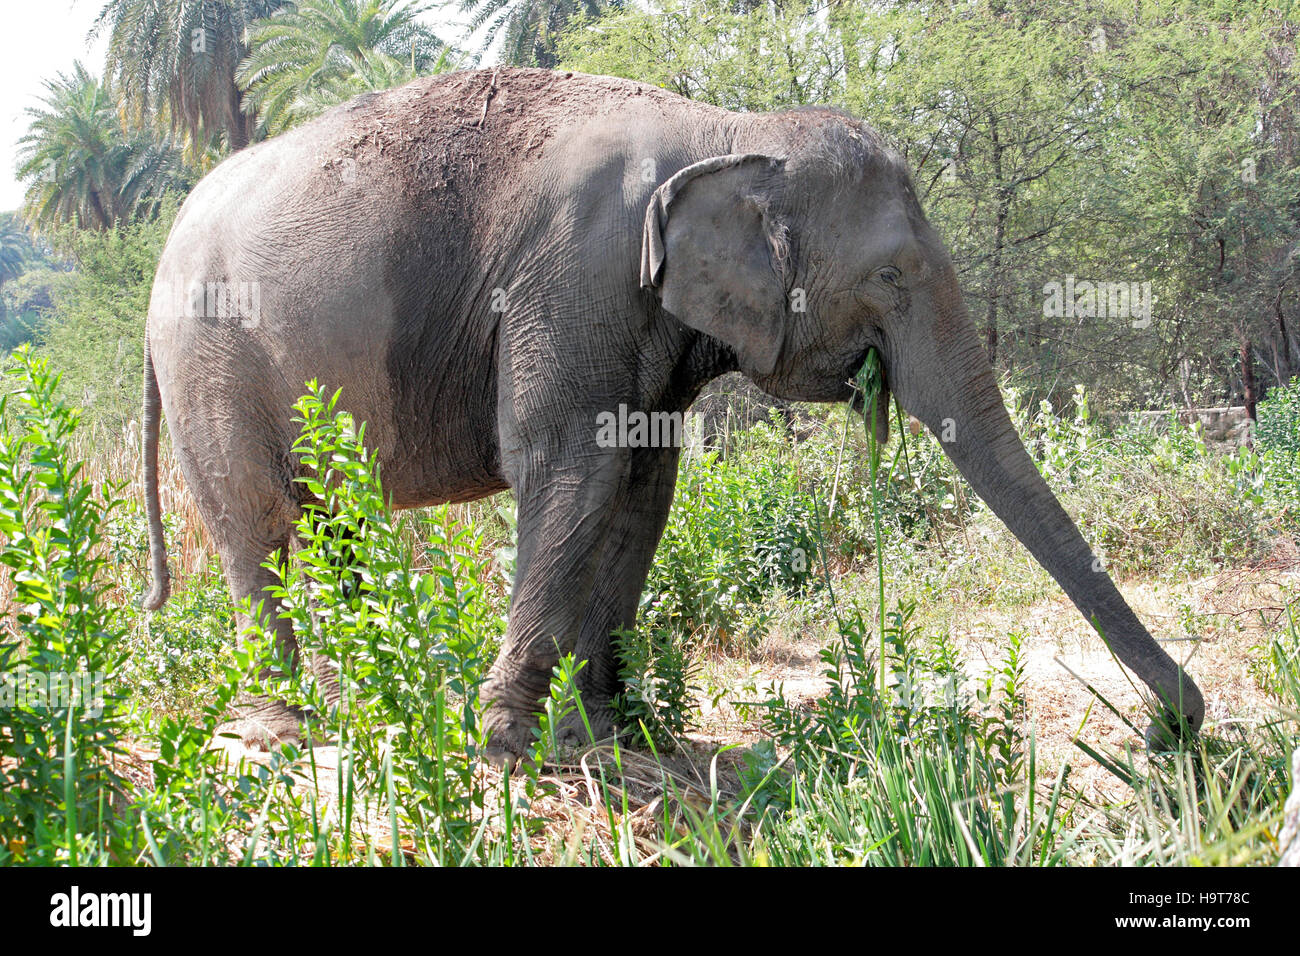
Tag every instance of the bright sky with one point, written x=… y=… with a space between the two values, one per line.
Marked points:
x=41 y=40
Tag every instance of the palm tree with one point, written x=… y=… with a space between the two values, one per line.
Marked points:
x=378 y=72
x=316 y=53
x=84 y=168
x=15 y=247
x=531 y=27
x=175 y=61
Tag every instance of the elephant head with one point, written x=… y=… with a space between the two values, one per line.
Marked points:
x=806 y=247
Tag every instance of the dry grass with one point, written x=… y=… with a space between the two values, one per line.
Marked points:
x=603 y=805
x=112 y=464
x=116 y=462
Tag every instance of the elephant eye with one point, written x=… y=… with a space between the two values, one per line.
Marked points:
x=890 y=276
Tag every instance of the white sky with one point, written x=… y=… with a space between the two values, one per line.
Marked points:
x=41 y=40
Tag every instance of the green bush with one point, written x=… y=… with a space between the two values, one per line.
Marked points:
x=1277 y=436
x=408 y=641
x=927 y=772
x=60 y=719
x=94 y=331
x=656 y=669
x=740 y=529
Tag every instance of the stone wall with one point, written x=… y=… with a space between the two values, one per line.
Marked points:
x=1226 y=429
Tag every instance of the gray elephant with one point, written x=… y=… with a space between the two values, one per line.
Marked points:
x=487 y=263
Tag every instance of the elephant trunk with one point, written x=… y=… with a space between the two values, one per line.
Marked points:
x=941 y=374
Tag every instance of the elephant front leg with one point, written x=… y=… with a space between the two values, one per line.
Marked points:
x=565 y=516
x=629 y=553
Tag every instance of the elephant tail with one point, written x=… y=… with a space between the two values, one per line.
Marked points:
x=152 y=422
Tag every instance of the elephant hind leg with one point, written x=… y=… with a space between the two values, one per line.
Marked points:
x=245 y=499
x=260 y=723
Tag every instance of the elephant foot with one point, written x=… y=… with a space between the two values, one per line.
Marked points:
x=509 y=736
x=572 y=734
x=263 y=725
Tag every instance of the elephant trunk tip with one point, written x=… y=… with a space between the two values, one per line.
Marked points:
x=157 y=595
x=1177 y=721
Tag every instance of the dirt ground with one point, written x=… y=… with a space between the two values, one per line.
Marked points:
x=1216 y=624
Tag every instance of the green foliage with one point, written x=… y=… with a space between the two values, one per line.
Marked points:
x=1219 y=801
x=314 y=54
x=1277 y=437
x=25 y=301
x=739 y=528
x=59 y=789
x=15 y=248
x=84 y=169
x=94 y=332
x=919 y=774
x=936 y=768
x=1281 y=670
x=1147 y=501
x=174 y=65
x=407 y=639
x=176 y=654
x=656 y=669
x=529 y=31
x=1150 y=143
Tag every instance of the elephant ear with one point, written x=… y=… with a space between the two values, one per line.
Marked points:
x=717 y=256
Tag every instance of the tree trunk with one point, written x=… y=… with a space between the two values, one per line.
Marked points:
x=999 y=237
x=1248 y=386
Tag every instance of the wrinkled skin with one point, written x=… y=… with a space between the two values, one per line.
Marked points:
x=484 y=262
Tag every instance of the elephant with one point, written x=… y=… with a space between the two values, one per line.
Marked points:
x=486 y=262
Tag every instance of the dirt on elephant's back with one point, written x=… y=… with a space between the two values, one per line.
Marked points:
x=456 y=130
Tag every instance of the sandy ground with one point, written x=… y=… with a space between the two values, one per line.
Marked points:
x=1217 y=624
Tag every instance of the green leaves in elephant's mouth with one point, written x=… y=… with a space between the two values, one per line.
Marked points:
x=870 y=382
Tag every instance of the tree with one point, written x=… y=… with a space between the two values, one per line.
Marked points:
x=174 y=61
x=15 y=247
x=316 y=53
x=84 y=168
x=530 y=29
x=742 y=56
x=15 y=252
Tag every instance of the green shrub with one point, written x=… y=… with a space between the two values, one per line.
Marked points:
x=60 y=717
x=739 y=529
x=656 y=669
x=408 y=641
x=94 y=331
x=1277 y=436
x=926 y=773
